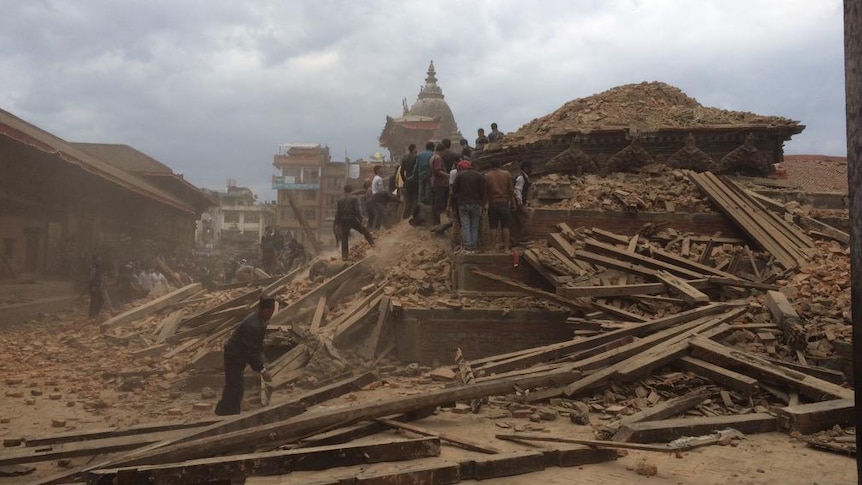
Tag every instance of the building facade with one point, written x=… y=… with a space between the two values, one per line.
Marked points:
x=308 y=188
x=237 y=223
x=60 y=205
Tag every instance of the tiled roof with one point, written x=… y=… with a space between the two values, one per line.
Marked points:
x=23 y=132
x=817 y=173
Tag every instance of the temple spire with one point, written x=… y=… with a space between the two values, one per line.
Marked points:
x=431 y=89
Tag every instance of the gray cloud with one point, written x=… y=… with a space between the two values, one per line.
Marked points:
x=211 y=88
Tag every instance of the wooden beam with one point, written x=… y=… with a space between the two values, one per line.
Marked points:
x=689 y=293
x=169 y=325
x=98 y=446
x=607 y=291
x=664 y=410
x=318 y=315
x=290 y=430
x=619 y=313
x=556 y=240
x=112 y=432
x=323 y=289
x=204 y=316
x=719 y=375
x=369 y=347
x=532 y=291
x=808 y=386
x=239 y=467
x=150 y=307
x=545 y=353
x=300 y=216
x=818 y=416
x=641 y=260
x=595 y=443
x=670 y=429
x=445 y=437
x=339 y=329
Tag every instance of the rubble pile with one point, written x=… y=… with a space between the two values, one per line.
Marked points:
x=663 y=191
x=645 y=106
x=676 y=336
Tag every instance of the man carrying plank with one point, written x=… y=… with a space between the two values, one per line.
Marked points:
x=245 y=346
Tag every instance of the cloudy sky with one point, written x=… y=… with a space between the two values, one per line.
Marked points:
x=213 y=87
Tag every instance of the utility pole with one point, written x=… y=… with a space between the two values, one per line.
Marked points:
x=853 y=88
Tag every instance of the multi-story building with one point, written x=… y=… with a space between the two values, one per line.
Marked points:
x=237 y=223
x=314 y=182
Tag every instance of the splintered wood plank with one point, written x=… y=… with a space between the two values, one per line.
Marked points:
x=549 y=274
x=369 y=347
x=169 y=325
x=238 y=467
x=150 y=307
x=689 y=293
x=556 y=240
x=318 y=315
x=639 y=259
x=445 y=437
x=618 y=312
x=325 y=288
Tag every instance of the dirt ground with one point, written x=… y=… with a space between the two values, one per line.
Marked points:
x=773 y=458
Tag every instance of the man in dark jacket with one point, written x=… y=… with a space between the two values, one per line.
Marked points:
x=469 y=194
x=244 y=346
x=347 y=217
x=411 y=184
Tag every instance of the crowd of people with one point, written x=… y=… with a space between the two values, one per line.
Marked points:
x=443 y=179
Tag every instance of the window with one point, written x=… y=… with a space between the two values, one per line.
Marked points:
x=252 y=217
x=231 y=217
x=310 y=214
x=310 y=175
x=309 y=195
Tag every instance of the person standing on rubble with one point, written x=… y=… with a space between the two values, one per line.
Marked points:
x=495 y=135
x=347 y=217
x=501 y=199
x=522 y=194
x=481 y=139
x=439 y=184
x=468 y=197
x=244 y=347
x=411 y=185
x=422 y=173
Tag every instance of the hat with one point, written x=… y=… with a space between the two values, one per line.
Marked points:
x=464 y=164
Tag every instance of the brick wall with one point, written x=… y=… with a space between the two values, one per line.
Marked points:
x=431 y=337
x=500 y=264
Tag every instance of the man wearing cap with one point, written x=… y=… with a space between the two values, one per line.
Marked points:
x=244 y=346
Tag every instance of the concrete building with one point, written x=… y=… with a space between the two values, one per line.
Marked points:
x=237 y=223
x=314 y=182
